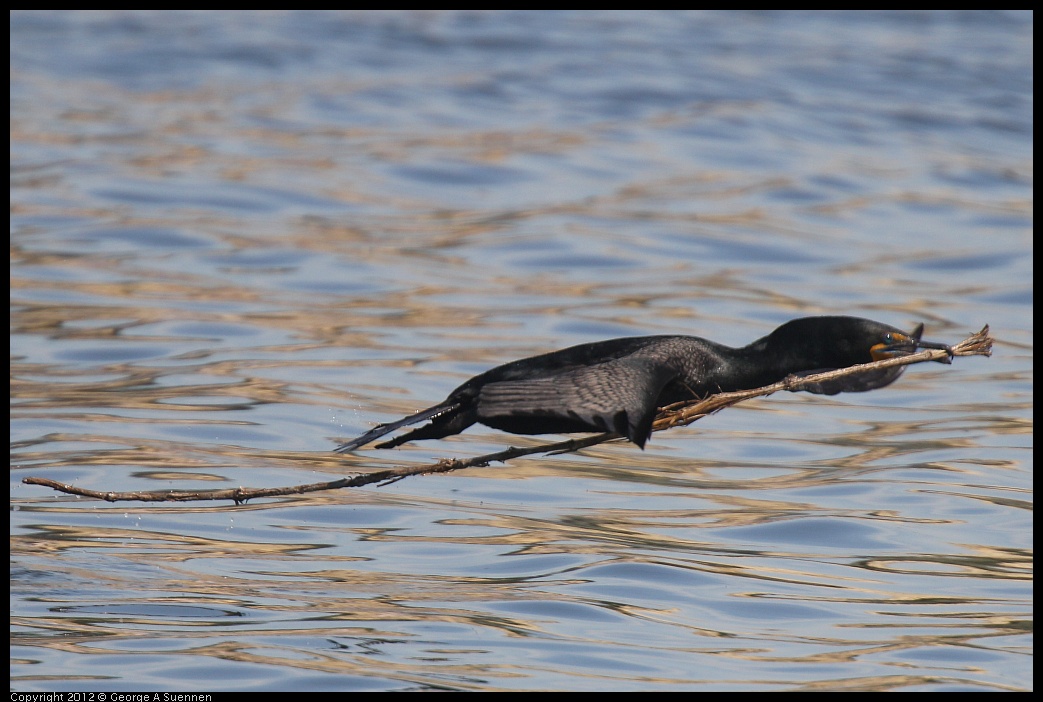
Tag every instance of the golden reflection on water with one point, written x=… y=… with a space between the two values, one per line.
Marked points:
x=244 y=618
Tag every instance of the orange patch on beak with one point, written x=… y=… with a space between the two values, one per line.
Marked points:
x=881 y=352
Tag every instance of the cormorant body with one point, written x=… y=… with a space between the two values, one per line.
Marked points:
x=618 y=385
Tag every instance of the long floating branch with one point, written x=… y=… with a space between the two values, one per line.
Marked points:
x=679 y=414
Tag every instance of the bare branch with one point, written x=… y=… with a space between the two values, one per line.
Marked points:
x=679 y=414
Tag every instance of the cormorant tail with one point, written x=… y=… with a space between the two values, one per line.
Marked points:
x=382 y=429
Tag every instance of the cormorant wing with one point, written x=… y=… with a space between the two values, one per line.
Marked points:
x=619 y=396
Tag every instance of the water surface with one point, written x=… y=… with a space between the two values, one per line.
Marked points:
x=238 y=238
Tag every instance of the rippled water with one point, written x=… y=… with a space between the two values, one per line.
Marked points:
x=237 y=238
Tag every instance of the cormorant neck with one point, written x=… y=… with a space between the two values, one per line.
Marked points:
x=801 y=345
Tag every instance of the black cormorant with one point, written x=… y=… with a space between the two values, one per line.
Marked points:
x=619 y=384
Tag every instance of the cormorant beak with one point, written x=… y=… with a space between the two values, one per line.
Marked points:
x=936 y=345
x=902 y=345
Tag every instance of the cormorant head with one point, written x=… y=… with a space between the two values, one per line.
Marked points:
x=811 y=344
x=895 y=343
